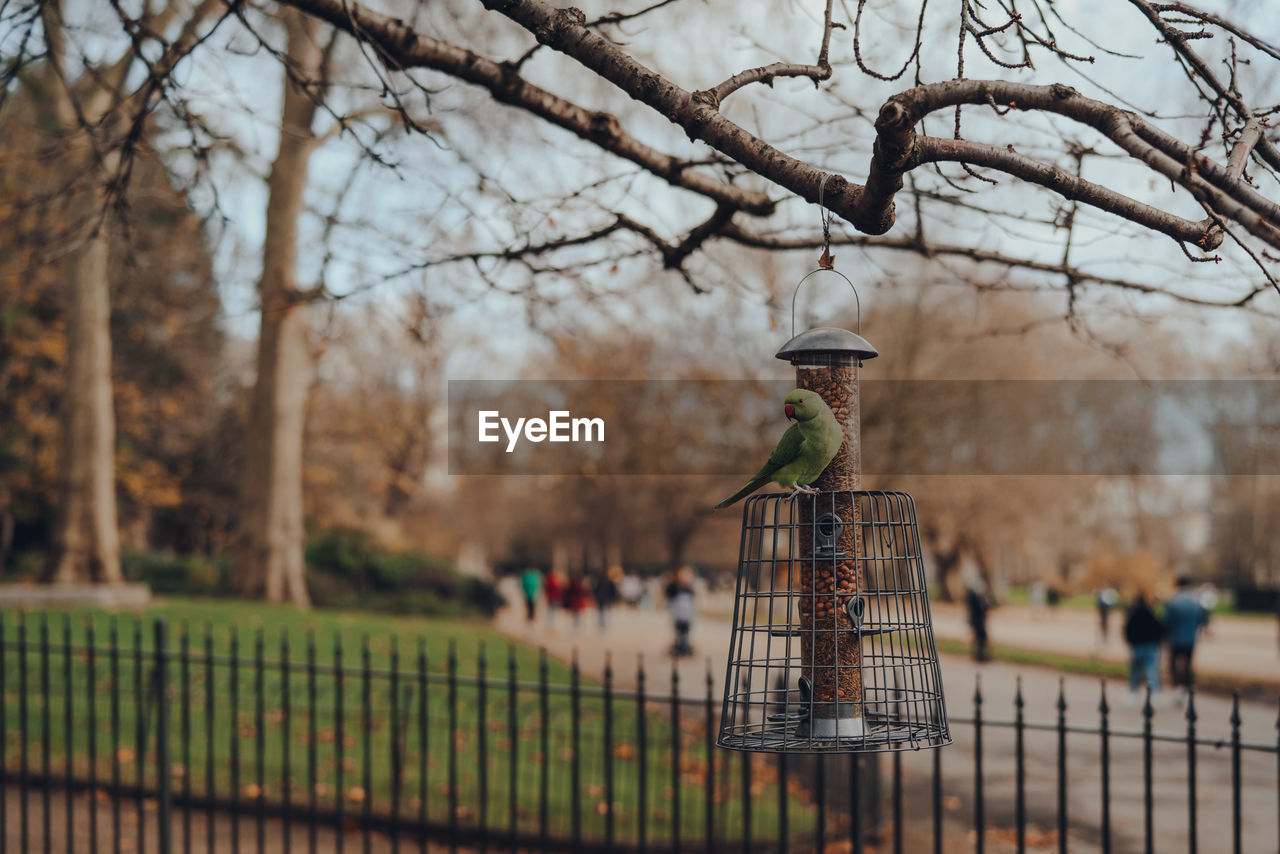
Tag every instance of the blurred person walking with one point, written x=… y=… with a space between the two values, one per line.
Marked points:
x=575 y=598
x=553 y=590
x=976 y=604
x=1143 y=632
x=1184 y=617
x=604 y=588
x=631 y=589
x=1106 y=600
x=679 y=595
x=530 y=585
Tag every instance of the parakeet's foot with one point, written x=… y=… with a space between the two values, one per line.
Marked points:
x=798 y=489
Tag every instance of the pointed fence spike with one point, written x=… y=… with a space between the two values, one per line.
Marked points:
x=1018 y=702
x=1102 y=696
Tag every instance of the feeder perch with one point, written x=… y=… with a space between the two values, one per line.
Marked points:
x=832 y=647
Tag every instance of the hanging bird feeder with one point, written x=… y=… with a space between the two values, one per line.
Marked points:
x=832 y=647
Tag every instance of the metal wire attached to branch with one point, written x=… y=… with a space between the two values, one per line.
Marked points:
x=826 y=260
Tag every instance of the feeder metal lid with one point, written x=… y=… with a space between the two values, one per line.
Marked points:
x=828 y=341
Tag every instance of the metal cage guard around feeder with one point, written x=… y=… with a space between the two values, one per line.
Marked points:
x=832 y=647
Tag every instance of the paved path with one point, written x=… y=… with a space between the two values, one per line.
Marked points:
x=632 y=634
x=1243 y=648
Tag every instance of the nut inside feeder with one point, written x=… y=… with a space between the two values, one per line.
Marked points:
x=832 y=647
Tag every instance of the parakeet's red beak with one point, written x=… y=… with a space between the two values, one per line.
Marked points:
x=789 y=410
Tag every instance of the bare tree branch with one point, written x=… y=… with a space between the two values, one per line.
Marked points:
x=1218 y=21
x=898 y=148
x=1064 y=183
x=1012 y=262
x=870 y=208
x=1249 y=137
x=1178 y=41
x=766 y=73
x=401 y=47
x=721 y=227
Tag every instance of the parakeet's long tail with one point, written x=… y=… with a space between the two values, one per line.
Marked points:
x=750 y=487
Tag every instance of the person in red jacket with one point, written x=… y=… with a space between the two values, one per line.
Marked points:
x=575 y=597
x=553 y=589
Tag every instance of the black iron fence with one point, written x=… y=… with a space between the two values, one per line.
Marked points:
x=125 y=736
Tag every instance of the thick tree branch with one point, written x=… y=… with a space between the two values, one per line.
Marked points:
x=870 y=208
x=1062 y=182
x=764 y=74
x=1207 y=181
x=1249 y=137
x=401 y=47
x=565 y=30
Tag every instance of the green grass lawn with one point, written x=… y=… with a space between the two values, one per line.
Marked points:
x=1018 y=595
x=356 y=743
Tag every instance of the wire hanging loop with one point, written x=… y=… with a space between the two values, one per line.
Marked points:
x=857 y=301
x=826 y=260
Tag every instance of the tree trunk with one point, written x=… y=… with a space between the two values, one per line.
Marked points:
x=88 y=544
x=272 y=532
x=270 y=558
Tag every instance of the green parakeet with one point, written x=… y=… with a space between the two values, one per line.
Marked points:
x=804 y=450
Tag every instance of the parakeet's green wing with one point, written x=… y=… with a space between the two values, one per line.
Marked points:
x=787 y=449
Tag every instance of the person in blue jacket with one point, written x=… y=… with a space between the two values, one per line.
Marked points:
x=1184 y=617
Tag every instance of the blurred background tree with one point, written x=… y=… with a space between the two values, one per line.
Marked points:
x=165 y=340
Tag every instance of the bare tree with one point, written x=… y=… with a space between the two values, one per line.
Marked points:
x=100 y=110
x=270 y=549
